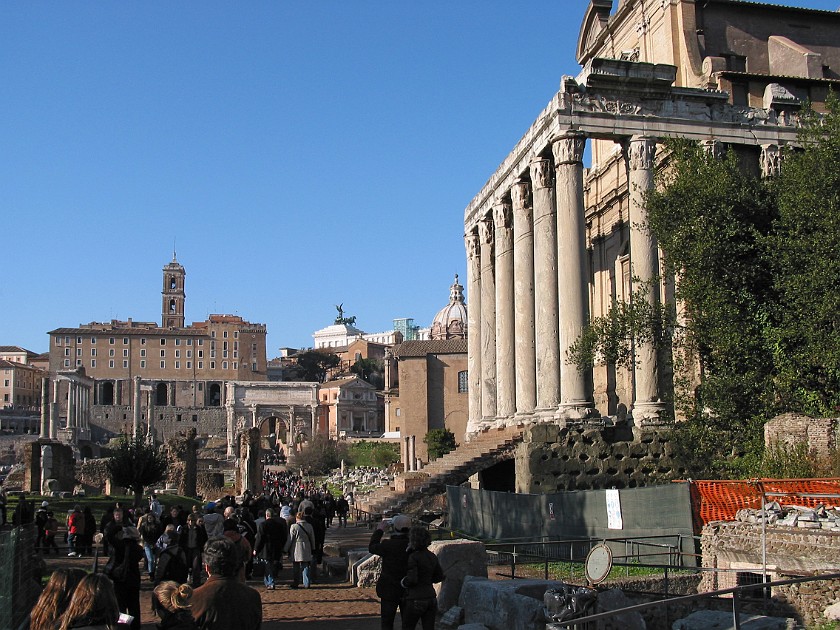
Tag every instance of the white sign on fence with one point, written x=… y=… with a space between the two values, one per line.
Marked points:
x=613 y=510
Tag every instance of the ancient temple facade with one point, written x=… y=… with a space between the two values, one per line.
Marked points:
x=551 y=244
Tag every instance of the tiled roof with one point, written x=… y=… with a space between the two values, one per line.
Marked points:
x=344 y=381
x=106 y=329
x=5 y=349
x=436 y=346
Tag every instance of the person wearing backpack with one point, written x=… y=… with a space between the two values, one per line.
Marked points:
x=172 y=562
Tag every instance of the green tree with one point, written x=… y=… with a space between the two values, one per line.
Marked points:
x=137 y=463
x=439 y=442
x=314 y=364
x=369 y=370
x=321 y=455
x=379 y=454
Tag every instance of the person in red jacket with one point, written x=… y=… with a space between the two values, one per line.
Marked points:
x=75 y=530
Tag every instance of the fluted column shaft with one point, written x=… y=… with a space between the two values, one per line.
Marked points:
x=523 y=292
x=54 y=410
x=135 y=412
x=471 y=240
x=644 y=264
x=505 y=352
x=545 y=287
x=488 y=322
x=571 y=259
x=71 y=404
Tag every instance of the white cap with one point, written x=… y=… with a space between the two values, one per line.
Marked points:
x=401 y=522
x=45 y=504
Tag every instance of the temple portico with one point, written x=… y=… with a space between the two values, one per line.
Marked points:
x=533 y=242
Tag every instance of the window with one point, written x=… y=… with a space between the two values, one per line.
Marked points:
x=213 y=334
x=66 y=362
x=189 y=342
x=177 y=342
x=93 y=340
x=125 y=364
x=224 y=365
x=125 y=341
x=58 y=341
x=235 y=365
x=142 y=352
x=236 y=334
x=163 y=342
x=125 y=352
x=224 y=345
x=93 y=352
x=253 y=367
x=463 y=382
x=93 y=363
x=744 y=578
x=201 y=342
x=224 y=354
x=78 y=352
x=177 y=365
x=201 y=354
x=189 y=354
x=78 y=340
x=66 y=340
x=163 y=365
x=398 y=412
x=110 y=352
x=142 y=365
x=212 y=365
x=163 y=353
x=142 y=341
x=224 y=334
x=177 y=354
x=189 y=365
x=111 y=341
x=66 y=352
x=110 y=363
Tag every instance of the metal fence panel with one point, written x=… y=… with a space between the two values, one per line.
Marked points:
x=19 y=587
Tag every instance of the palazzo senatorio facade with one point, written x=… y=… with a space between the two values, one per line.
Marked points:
x=550 y=244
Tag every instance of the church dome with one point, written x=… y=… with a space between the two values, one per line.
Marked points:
x=451 y=320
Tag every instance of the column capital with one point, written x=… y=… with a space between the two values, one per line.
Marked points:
x=520 y=195
x=485 y=230
x=568 y=147
x=473 y=244
x=770 y=160
x=502 y=216
x=714 y=148
x=541 y=173
x=641 y=151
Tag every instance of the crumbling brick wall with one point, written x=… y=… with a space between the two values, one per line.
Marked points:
x=820 y=434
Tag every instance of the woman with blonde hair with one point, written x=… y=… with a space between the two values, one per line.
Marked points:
x=93 y=605
x=54 y=598
x=172 y=604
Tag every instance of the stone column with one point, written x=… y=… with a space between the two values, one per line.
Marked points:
x=523 y=292
x=45 y=409
x=644 y=264
x=575 y=393
x=488 y=322
x=71 y=404
x=412 y=447
x=54 y=409
x=150 y=413
x=404 y=454
x=473 y=246
x=314 y=421
x=770 y=160
x=135 y=411
x=545 y=288
x=505 y=346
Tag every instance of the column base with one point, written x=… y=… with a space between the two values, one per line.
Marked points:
x=577 y=414
x=650 y=414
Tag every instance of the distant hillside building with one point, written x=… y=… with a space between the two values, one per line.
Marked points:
x=20 y=378
x=178 y=368
x=349 y=407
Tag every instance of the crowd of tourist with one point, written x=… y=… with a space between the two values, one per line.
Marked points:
x=195 y=558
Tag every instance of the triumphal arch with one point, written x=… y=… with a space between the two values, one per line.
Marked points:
x=533 y=246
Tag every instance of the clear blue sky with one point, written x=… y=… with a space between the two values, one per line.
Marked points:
x=298 y=154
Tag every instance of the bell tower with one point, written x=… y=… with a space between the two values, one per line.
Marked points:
x=172 y=309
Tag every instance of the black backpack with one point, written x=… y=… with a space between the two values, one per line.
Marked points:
x=173 y=561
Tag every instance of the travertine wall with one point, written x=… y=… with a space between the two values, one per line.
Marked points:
x=790 y=551
x=552 y=458
x=63 y=466
x=107 y=421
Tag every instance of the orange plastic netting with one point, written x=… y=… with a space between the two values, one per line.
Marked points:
x=720 y=500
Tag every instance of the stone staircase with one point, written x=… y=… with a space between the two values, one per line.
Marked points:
x=454 y=468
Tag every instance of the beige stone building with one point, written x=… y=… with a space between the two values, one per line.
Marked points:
x=551 y=243
x=427 y=382
x=349 y=407
x=172 y=368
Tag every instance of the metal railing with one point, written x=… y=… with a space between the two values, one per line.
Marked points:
x=19 y=586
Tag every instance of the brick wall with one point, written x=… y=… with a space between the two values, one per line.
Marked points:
x=820 y=434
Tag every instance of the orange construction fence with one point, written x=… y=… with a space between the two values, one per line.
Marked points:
x=720 y=500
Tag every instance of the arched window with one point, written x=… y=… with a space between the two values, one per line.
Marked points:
x=172 y=306
x=172 y=283
x=214 y=395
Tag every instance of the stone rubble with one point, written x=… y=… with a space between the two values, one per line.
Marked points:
x=804 y=517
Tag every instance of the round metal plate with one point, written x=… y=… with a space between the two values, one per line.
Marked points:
x=598 y=564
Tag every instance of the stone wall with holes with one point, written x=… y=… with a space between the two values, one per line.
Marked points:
x=107 y=421
x=735 y=550
x=553 y=458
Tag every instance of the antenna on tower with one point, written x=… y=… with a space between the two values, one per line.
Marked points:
x=174 y=240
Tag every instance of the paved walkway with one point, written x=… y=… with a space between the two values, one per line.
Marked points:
x=330 y=604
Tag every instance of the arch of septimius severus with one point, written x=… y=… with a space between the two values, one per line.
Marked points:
x=550 y=243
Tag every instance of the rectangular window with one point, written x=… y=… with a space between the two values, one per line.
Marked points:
x=253 y=367
x=78 y=340
x=125 y=364
x=177 y=354
x=236 y=334
x=200 y=367
x=66 y=352
x=201 y=354
x=212 y=365
x=177 y=342
x=224 y=354
x=189 y=365
x=142 y=352
x=235 y=353
x=235 y=366
x=58 y=341
x=224 y=365
x=201 y=342
x=225 y=335
x=463 y=382
x=189 y=342
x=110 y=352
x=213 y=334
x=142 y=365
x=125 y=352
x=125 y=341
x=93 y=363
x=189 y=354
x=111 y=341
x=142 y=341
x=67 y=340
x=93 y=340
x=163 y=365
x=163 y=342
x=163 y=353
x=66 y=362
x=177 y=365
x=111 y=363
x=78 y=352
x=224 y=345
x=93 y=352
x=78 y=363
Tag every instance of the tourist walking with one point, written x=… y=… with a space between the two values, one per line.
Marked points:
x=75 y=530
x=123 y=566
x=299 y=547
x=394 y=554
x=193 y=540
x=422 y=572
x=150 y=530
x=271 y=540
x=223 y=602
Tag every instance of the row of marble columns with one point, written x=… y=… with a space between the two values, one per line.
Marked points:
x=78 y=403
x=408 y=453
x=528 y=290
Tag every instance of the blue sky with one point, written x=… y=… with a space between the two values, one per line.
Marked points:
x=297 y=154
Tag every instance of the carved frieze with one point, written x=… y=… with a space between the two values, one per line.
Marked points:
x=770 y=160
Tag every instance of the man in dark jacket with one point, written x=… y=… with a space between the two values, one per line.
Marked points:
x=394 y=554
x=224 y=602
x=272 y=534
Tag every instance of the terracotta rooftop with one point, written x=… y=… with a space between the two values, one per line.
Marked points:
x=423 y=348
